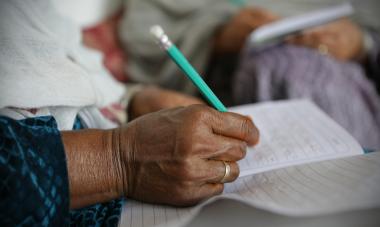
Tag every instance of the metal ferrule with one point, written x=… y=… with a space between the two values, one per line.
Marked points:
x=165 y=42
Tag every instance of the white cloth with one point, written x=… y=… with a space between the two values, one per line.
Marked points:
x=87 y=13
x=44 y=65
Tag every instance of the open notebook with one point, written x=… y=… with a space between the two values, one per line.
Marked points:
x=305 y=164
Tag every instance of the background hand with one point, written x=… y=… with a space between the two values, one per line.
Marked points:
x=341 y=39
x=232 y=36
x=176 y=156
x=152 y=99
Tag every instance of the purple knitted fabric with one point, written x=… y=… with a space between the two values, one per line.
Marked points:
x=341 y=89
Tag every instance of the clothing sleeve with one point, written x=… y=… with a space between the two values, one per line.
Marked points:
x=34 y=183
x=33 y=174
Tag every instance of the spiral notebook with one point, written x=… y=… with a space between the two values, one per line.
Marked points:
x=305 y=164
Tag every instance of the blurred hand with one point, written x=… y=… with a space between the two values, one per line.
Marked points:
x=176 y=156
x=152 y=99
x=232 y=36
x=341 y=39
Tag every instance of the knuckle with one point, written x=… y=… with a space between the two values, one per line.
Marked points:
x=220 y=189
x=237 y=152
x=202 y=112
x=241 y=150
x=198 y=109
x=236 y=171
x=247 y=127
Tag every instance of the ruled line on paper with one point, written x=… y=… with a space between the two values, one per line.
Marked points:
x=306 y=187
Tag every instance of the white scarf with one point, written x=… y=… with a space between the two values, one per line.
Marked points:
x=44 y=65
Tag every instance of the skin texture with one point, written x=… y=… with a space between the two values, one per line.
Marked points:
x=343 y=39
x=231 y=37
x=91 y=164
x=173 y=156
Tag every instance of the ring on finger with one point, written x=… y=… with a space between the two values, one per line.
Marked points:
x=323 y=49
x=227 y=172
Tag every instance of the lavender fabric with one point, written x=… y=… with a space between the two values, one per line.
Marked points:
x=341 y=89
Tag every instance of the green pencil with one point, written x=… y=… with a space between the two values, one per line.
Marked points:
x=176 y=55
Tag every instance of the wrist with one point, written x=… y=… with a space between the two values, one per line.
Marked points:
x=91 y=167
x=124 y=150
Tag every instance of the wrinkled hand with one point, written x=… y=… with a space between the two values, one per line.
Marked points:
x=175 y=156
x=341 y=39
x=152 y=99
x=232 y=36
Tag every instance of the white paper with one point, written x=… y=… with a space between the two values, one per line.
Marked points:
x=280 y=29
x=326 y=187
x=293 y=133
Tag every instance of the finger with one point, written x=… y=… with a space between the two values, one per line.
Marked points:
x=224 y=149
x=217 y=172
x=210 y=190
x=262 y=13
x=298 y=39
x=210 y=171
x=172 y=99
x=291 y=39
x=306 y=40
x=235 y=126
x=255 y=22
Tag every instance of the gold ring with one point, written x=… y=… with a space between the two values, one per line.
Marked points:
x=323 y=49
x=227 y=171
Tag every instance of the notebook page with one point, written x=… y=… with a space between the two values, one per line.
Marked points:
x=293 y=133
x=312 y=189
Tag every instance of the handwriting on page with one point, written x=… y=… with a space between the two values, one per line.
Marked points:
x=311 y=189
x=316 y=188
x=294 y=133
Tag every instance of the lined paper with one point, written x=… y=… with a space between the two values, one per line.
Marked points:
x=293 y=133
x=351 y=183
x=314 y=189
x=285 y=174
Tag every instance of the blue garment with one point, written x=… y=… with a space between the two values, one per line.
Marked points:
x=34 y=186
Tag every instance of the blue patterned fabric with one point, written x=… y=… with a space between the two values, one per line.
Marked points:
x=106 y=214
x=34 y=187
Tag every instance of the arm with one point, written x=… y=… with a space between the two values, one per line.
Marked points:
x=92 y=167
x=232 y=36
x=169 y=157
